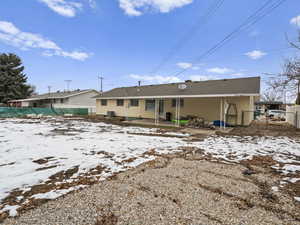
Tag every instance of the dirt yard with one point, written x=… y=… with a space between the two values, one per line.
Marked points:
x=263 y=128
x=68 y=171
x=185 y=188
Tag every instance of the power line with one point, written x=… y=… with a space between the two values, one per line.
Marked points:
x=203 y=20
x=268 y=51
x=250 y=21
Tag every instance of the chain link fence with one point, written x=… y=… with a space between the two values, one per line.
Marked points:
x=21 y=112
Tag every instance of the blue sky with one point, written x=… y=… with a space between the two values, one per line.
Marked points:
x=125 y=40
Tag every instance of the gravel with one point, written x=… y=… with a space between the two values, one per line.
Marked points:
x=173 y=190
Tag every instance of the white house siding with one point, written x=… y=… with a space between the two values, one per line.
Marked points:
x=293 y=115
x=25 y=104
x=86 y=99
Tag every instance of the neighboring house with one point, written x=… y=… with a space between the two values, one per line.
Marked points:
x=230 y=100
x=65 y=99
x=270 y=105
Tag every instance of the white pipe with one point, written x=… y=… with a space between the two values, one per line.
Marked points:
x=179 y=105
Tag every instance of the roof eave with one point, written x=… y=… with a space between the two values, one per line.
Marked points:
x=182 y=96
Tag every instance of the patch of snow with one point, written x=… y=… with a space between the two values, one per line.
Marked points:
x=291 y=168
x=297 y=199
x=87 y=145
x=11 y=209
x=291 y=180
x=275 y=189
x=235 y=149
x=56 y=193
x=72 y=143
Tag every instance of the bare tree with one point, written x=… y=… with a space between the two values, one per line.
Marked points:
x=271 y=96
x=289 y=80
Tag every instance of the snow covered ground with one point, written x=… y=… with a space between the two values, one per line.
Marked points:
x=33 y=151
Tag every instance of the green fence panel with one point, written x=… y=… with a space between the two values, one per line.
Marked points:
x=20 y=112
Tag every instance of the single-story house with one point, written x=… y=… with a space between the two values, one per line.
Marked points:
x=228 y=100
x=59 y=99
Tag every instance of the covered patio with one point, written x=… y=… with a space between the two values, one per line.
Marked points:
x=221 y=110
x=218 y=102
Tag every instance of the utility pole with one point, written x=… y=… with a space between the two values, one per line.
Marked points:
x=68 y=84
x=49 y=90
x=101 y=83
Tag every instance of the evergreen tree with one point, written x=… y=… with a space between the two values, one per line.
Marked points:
x=13 y=82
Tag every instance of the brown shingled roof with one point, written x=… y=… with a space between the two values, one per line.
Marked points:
x=243 y=86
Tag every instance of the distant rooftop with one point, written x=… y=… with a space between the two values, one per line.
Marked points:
x=56 y=95
x=269 y=103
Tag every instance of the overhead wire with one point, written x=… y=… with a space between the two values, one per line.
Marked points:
x=203 y=20
x=258 y=15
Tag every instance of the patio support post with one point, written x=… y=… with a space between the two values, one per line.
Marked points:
x=156 y=111
x=177 y=114
x=221 y=113
x=224 y=107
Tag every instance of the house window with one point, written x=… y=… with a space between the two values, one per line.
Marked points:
x=103 y=102
x=120 y=102
x=174 y=102
x=61 y=100
x=134 y=102
x=150 y=105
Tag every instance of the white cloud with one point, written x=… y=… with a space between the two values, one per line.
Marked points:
x=138 y=7
x=63 y=7
x=92 y=3
x=156 y=79
x=237 y=74
x=8 y=28
x=184 y=65
x=74 y=54
x=296 y=21
x=202 y=77
x=11 y=35
x=255 y=54
x=219 y=70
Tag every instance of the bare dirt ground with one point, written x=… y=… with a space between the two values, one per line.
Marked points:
x=183 y=188
x=188 y=187
x=262 y=128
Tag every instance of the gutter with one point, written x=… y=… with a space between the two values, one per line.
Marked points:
x=181 y=96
